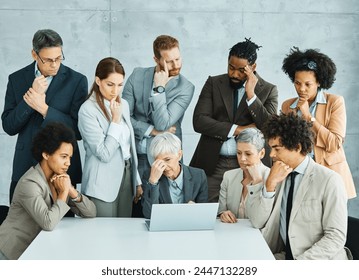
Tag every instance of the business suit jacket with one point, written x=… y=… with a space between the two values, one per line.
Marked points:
x=318 y=221
x=104 y=162
x=64 y=97
x=163 y=110
x=213 y=116
x=33 y=209
x=231 y=189
x=195 y=189
x=329 y=138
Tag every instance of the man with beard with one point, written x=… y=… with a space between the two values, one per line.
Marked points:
x=228 y=104
x=158 y=98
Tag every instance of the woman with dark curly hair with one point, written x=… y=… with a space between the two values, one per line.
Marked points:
x=312 y=72
x=44 y=193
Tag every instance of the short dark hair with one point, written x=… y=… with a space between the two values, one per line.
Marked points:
x=246 y=49
x=310 y=60
x=46 y=38
x=50 y=138
x=105 y=67
x=292 y=130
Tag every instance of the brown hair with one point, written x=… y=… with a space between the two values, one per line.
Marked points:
x=104 y=68
x=164 y=42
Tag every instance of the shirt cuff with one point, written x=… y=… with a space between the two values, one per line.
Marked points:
x=148 y=131
x=233 y=128
x=250 y=101
x=267 y=194
x=114 y=130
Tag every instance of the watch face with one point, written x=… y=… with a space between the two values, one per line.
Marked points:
x=160 y=89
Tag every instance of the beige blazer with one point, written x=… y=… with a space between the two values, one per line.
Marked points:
x=318 y=222
x=231 y=189
x=32 y=210
x=330 y=129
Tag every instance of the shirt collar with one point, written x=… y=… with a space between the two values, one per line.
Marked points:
x=319 y=99
x=178 y=180
x=302 y=166
x=37 y=71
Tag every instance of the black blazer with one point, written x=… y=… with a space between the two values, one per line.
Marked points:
x=66 y=93
x=195 y=188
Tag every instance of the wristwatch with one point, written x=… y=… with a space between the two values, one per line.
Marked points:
x=77 y=198
x=312 y=119
x=159 y=89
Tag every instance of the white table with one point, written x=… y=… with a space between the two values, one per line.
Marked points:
x=129 y=239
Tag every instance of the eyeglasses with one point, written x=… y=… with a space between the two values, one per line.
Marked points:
x=49 y=61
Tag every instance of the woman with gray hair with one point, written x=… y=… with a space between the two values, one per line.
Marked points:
x=170 y=181
x=233 y=193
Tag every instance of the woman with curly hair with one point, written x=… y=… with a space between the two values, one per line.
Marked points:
x=44 y=193
x=312 y=72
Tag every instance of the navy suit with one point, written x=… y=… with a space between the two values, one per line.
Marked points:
x=66 y=93
x=195 y=189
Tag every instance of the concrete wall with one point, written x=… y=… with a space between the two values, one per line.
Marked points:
x=94 y=29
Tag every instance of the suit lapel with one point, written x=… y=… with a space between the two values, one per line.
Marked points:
x=243 y=103
x=187 y=184
x=147 y=89
x=302 y=190
x=241 y=107
x=30 y=74
x=234 y=196
x=164 y=190
x=227 y=95
x=320 y=111
x=55 y=84
x=171 y=85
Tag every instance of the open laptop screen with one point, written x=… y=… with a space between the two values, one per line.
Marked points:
x=186 y=216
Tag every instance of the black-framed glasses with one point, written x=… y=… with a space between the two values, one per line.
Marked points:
x=50 y=61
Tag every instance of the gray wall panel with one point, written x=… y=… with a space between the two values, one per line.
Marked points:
x=206 y=30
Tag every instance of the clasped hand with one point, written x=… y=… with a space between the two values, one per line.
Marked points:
x=35 y=96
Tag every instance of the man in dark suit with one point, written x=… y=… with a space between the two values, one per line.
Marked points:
x=169 y=181
x=39 y=93
x=228 y=104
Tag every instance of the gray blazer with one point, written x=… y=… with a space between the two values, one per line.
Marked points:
x=104 y=162
x=318 y=222
x=195 y=189
x=32 y=210
x=163 y=110
x=231 y=189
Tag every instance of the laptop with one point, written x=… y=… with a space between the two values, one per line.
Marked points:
x=185 y=216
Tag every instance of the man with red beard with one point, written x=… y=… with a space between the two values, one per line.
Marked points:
x=158 y=97
x=229 y=103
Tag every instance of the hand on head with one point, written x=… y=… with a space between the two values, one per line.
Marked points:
x=157 y=168
x=161 y=76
